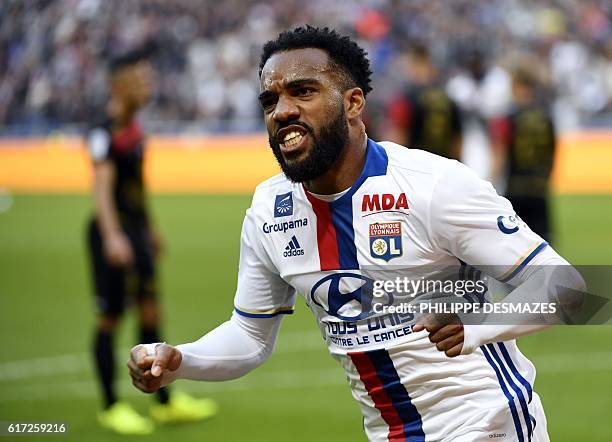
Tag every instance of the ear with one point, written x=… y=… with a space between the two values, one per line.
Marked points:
x=354 y=102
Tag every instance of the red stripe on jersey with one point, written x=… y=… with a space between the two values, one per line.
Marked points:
x=326 y=234
x=382 y=401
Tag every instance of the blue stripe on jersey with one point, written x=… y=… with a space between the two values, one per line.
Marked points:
x=502 y=384
x=342 y=209
x=376 y=163
x=533 y=421
x=413 y=424
x=516 y=388
x=519 y=267
x=517 y=374
x=271 y=314
x=342 y=217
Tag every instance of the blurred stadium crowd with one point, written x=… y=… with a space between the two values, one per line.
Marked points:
x=53 y=54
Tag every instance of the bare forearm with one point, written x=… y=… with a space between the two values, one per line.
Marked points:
x=456 y=148
x=106 y=211
x=498 y=162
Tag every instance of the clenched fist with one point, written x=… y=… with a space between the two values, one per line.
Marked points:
x=153 y=369
x=446 y=331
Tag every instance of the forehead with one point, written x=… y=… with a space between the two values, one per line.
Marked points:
x=296 y=64
x=138 y=68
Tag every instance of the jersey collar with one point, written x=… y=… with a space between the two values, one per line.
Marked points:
x=375 y=165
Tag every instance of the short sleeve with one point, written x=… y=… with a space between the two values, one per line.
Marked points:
x=457 y=127
x=473 y=223
x=98 y=144
x=261 y=292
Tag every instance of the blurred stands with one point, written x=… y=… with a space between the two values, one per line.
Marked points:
x=53 y=52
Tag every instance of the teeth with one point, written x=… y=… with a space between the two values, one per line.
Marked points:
x=291 y=135
x=292 y=138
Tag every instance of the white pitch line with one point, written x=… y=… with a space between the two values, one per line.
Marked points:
x=291 y=342
x=302 y=341
x=276 y=380
x=28 y=368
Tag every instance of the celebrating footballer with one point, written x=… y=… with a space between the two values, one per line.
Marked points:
x=349 y=203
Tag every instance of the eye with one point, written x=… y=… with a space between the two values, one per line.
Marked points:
x=268 y=104
x=304 y=91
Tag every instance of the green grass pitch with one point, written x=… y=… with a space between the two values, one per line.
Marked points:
x=46 y=316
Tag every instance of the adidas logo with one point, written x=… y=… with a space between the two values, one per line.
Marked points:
x=293 y=248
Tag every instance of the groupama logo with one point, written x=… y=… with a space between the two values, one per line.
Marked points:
x=283 y=205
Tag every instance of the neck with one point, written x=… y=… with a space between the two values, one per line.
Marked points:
x=524 y=101
x=345 y=170
x=523 y=96
x=120 y=111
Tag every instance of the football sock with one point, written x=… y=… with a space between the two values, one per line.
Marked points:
x=105 y=365
x=149 y=336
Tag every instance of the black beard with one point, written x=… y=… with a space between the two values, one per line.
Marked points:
x=326 y=149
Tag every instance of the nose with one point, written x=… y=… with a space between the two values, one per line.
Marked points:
x=285 y=110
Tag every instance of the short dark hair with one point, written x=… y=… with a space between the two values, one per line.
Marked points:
x=343 y=52
x=524 y=74
x=130 y=58
x=420 y=51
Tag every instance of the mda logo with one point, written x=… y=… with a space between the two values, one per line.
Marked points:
x=283 y=205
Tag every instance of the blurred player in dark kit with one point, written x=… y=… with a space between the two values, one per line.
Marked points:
x=425 y=117
x=524 y=146
x=123 y=245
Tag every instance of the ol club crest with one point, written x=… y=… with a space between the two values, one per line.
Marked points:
x=386 y=240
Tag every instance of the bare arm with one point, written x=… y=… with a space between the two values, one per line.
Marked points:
x=456 y=147
x=117 y=248
x=499 y=134
x=498 y=161
x=106 y=212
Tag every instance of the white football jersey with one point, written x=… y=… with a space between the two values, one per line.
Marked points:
x=408 y=210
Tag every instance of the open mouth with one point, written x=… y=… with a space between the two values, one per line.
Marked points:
x=291 y=137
